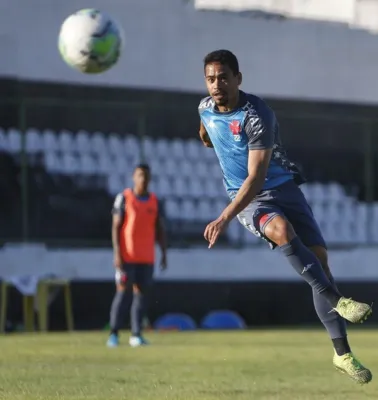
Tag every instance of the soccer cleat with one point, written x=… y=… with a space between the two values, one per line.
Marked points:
x=136 y=341
x=112 y=341
x=352 y=310
x=348 y=364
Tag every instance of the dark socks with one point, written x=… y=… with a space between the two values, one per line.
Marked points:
x=308 y=266
x=335 y=325
x=341 y=346
x=117 y=311
x=137 y=311
x=325 y=292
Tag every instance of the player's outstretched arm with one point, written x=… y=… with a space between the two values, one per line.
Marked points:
x=258 y=163
x=205 y=136
x=260 y=128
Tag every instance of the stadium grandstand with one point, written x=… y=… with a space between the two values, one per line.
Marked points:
x=185 y=175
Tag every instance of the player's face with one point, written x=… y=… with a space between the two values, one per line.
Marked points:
x=141 y=178
x=222 y=84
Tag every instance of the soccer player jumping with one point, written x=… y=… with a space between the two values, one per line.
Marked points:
x=263 y=186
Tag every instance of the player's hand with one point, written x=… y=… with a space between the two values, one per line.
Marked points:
x=214 y=229
x=117 y=261
x=163 y=262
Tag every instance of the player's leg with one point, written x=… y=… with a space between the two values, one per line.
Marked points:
x=269 y=221
x=332 y=321
x=278 y=230
x=265 y=219
x=300 y=215
x=118 y=308
x=143 y=281
x=343 y=359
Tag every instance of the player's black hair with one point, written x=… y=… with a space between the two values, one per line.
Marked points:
x=144 y=167
x=224 y=57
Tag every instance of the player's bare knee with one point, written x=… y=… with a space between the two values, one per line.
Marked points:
x=279 y=231
x=120 y=287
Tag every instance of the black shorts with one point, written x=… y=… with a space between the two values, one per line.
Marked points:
x=140 y=274
x=288 y=201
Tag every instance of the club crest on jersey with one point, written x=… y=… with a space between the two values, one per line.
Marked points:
x=235 y=128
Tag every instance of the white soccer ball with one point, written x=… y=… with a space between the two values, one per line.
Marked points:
x=90 y=41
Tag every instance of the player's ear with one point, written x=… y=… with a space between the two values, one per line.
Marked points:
x=240 y=78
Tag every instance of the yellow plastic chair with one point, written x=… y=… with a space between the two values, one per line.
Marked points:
x=28 y=308
x=42 y=298
x=44 y=286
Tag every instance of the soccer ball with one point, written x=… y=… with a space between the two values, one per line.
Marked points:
x=90 y=41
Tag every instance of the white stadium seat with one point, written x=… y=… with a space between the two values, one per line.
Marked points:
x=204 y=209
x=33 y=141
x=157 y=167
x=186 y=168
x=53 y=162
x=201 y=169
x=132 y=146
x=193 y=149
x=65 y=141
x=105 y=165
x=188 y=210
x=98 y=144
x=178 y=149
x=70 y=164
x=172 y=209
x=121 y=165
x=188 y=177
x=164 y=187
x=14 y=140
x=170 y=167
x=180 y=186
x=148 y=147
x=213 y=188
x=196 y=187
x=115 y=146
x=336 y=191
x=49 y=141
x=162 y=148
x=82 y=142
x=87 y=165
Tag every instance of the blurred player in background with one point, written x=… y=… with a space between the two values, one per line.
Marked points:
x=263 y=186
x=137 y=224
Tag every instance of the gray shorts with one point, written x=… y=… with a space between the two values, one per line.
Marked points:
x=140 y=274
x=288 y=201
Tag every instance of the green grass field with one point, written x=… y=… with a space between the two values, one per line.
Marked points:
x=253 y=365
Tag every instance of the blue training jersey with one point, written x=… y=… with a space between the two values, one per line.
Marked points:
x=251 y=126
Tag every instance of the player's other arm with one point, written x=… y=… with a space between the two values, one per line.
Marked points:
x=161 y=238
x=205 y=136
x=117 y=220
